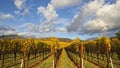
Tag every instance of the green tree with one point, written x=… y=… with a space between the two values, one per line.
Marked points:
x=118 y=34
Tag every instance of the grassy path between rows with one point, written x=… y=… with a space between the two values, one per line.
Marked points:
x=87 y=64
x=76 y=60
x=64 y=61
x=46 y=63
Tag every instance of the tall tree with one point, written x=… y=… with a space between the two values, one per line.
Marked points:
x=118 y=34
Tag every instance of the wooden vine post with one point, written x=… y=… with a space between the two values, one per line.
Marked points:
x=81 y=54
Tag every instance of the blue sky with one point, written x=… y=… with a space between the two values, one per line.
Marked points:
x=61 y=18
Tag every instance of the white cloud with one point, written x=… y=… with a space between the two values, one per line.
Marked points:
x=62 y=21
x=64 y=3
x=47 y=30
x=6 y=16
x=25 y=25
x=10 y=32
x=19 y=4
x=7 y=30
x=96 y=17
x=85 y=13
x=26 y=34
x=26 y=11
x=3 y=32
x=51 y=16
x=107 y=19
x=41 y=28
x=45 y=27
x=61 y=29
x=22 y=6
x=49 y=12
x=17 y=12
x=29 y=27
x=35 y=35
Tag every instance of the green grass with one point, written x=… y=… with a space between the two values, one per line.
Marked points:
x=89 y=65
x=65 y=61
x=86 y=63
x=46 y=64
x=103 y=62
x=9 y=60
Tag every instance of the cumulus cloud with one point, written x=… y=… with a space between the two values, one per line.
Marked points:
x=87 y=11
x=52 y=20
x=96 y=17
x=48 y=12
x=26 y=34
x=22 y=7
x=64 y=3
x=26 y=11
x=29 y=27
x=35 y=35
x=62 y=21
x=6 y=16
x=32 y=30
x=19 y=4
x=7 y=30
x=41 y=28
x=107 y=19
x=61 y=29
x=45 y=27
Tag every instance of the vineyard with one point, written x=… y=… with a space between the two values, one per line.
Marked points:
x=103 y=52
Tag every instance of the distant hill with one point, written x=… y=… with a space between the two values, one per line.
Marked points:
x=93 y=38
x=64 y=39
x=60 y=39
x=45 y=39
x=10 y=36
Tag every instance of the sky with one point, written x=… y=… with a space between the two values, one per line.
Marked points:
x=60 y=18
